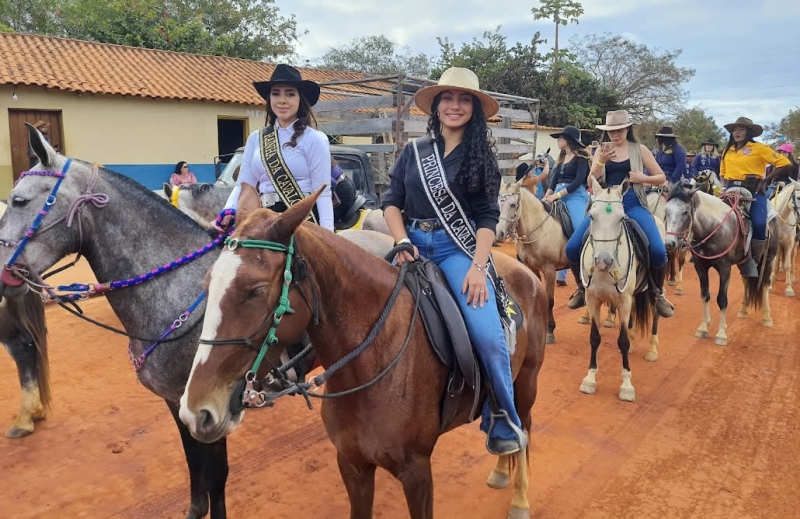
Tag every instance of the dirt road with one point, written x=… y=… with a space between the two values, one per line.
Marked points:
x=712 y=433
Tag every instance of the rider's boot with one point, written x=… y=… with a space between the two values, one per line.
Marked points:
x=577 y=300
x=663 y=307
x=749 y=268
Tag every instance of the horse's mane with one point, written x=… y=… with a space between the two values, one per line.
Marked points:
x=680 y=193
x=784 y=196
x=199 y=189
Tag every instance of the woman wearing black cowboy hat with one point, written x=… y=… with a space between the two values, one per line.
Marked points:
x=708 y=158
x=671 y=156
x=288 y=150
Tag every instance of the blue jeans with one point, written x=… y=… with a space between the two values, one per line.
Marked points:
x=483 y=324
x=576 y=205
x=645 y=219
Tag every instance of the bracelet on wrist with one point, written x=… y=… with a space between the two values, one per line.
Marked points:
x=479 y=267
x=404 y=240
x=601 y=164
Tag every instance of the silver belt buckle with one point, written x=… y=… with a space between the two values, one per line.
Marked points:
x=425 y=226
x=269 y=199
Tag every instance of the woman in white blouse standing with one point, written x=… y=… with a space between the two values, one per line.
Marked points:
x=302 y=150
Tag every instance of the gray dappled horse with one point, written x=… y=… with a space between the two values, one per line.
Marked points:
x=713 y=231
x=144 y=310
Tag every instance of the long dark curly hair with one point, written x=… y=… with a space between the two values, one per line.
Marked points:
x=305 y=116
x=479 y=170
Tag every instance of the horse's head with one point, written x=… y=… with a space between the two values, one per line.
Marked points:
x=678 y=215
x=249 y=288
x=606 y=213
x=47 y=193
x=201 y=202
x=509 y=200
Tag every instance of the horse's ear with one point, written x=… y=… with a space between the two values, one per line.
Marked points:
x=168 y=190
x=623 y=188
x=40 y=146
x=595 y=185
x=290 y=220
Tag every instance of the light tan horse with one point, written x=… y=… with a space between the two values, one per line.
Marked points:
x=611 y=273
x=538 y=237
x=657 y=204
x=787 y=204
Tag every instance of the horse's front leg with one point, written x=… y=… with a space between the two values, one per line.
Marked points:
x=520 y=507
x=31 y=410
x=417 y=481
x=627 y=392
x=195 y=460
x=743 y=313
x=589 y=383
x=550 y=284
x=652 y=352
x=705 y=295
x=788 y=266
x=722 y=302
x=681 y=254
x=359 y=480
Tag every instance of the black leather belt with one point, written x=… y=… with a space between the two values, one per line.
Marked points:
x=427 y=225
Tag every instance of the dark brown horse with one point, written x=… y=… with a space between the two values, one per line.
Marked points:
x=393 y=424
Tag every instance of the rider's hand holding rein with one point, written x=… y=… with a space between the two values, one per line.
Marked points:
x=394 y=220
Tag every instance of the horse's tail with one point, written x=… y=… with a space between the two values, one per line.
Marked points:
x=27 y=311
x=753 y=293
x=642 y=312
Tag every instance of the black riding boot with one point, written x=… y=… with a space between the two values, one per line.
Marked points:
x=749 y=268
x=577 y=300
x=663 y=307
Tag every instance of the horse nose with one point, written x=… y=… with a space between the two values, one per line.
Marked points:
x=670 y=243
x=206 y=421
x=500 y=236
x=603 y=261
x=202 y=424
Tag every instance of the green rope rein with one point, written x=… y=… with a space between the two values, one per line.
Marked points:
x=284 y=306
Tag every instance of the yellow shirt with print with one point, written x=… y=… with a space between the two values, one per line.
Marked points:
x=752 y=159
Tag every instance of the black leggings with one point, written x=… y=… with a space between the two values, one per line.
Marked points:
x=346 y=191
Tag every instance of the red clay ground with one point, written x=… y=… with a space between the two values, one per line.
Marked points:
x=712 y=434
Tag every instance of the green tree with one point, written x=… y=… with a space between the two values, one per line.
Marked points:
x=649 y=82
x=562 y=12
x=29 y=16
x=692 y=126
x=788 y=130
x=376 y=55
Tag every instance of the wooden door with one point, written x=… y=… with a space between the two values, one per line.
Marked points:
x=19 y=135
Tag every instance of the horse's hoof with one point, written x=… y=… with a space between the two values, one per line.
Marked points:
x=550 y=339
x=742 y=315
x=584 y=320
x=701 y=334
x=627 y=394
x=588 y=388
x=721 y=341
x=771 y=290
x=519 y=513
x=767 y=322
x=678 y=291
x=651 y=356
x=498 y=480
x=196 y=513
x=789 y=292
x=608 y=323
x=672 y=282
x=19 y=432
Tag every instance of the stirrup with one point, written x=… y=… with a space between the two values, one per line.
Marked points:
x=521 y=435
x=582 y=302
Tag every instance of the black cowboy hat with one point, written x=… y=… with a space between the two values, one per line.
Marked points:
x=710 y=141
x=523 y=170
x=569 y=132
x=288 y=75
x=665 y=131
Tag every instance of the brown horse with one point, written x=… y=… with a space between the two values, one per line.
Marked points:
x=394 y=423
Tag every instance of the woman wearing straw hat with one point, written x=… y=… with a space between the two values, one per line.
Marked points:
x=456 y=166
x=288 y=153
x=620 y=157
x=671 y=156
x=743 y=164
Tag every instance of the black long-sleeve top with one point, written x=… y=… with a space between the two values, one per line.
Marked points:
x=574 y=173
x=407 y=193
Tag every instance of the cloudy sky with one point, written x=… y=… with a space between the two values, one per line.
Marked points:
x=746 y=54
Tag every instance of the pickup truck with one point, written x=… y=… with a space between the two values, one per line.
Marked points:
x=355 y=164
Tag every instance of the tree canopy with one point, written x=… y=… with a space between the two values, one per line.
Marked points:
x=692 y=126
x=376 y=55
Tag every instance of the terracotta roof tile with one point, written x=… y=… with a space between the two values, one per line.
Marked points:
x=81 y=66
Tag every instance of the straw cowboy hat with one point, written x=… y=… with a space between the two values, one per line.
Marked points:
x=691 y=153
x=616 y=120
x=456 y=78
x=290 y=76
x=744 y=122
x=666 y=131
x=569 y=132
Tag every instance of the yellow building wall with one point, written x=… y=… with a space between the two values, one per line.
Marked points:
x=117 y=130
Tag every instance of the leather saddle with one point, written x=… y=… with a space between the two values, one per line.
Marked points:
x=352 y=215
x=447 y=332
x=559 y=211
x=641 y=245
